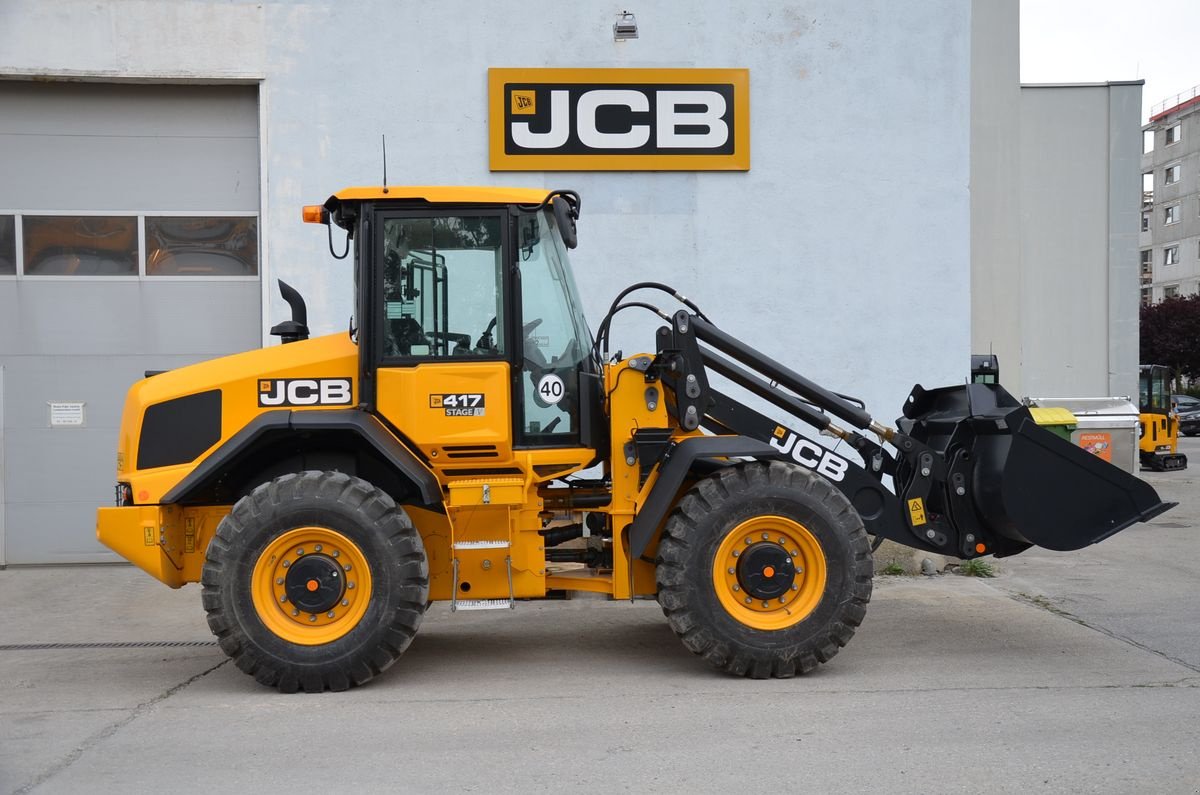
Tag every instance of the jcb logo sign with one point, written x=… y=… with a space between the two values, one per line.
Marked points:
x=304 y=392
x=808 y=454
x=620 y=119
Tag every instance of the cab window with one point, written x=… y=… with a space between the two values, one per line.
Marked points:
x=555 y=342
x=443 y=287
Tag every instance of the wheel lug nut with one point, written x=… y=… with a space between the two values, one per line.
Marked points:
x=312 y=617
x=318 y=548
x=345 y=603
x=737 y=587
x=295 y=612
x=346 y=566
x=747 y=539
x=283 y=598
x=300 y=551
x=730 y=569
x=336 y=553
x=795 y=587
x=329 y=614
x=782 y=599
x=279 y=581
x=795 y=553
x=765 y=536
x=349 y=585
x=799 y=570
x=782 y=541
x=736 y=552
x=766 y=604
x=748 y=600
x=286 y=564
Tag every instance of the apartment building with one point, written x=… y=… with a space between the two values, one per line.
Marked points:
x=1169 y=242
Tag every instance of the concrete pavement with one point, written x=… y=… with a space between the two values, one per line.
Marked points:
x=1069 y=673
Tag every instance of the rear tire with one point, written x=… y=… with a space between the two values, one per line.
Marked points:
x=315 y=581
x=764 y=569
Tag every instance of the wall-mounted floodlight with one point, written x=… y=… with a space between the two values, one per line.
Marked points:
x=625 y=27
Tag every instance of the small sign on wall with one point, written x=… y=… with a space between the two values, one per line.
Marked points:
x=66 y=415
x=619 y=119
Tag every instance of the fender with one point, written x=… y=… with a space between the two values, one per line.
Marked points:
x=672 y=473
x=366 y=426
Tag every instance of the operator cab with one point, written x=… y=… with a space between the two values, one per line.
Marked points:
x=469 y=317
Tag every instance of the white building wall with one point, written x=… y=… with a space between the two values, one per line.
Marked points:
x=844 y=251
x=1080 y=211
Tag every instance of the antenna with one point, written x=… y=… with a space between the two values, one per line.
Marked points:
x=384 y=137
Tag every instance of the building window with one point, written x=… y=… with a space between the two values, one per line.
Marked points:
x=8 y=245
x=1174 y=134
x=1171 y=291
x=1171 y=214
x=1147 y=296
x=1147 y=141
x=201 y=246
x=1171 y=255
x=80 y=245
x=1145 y=222
x=1147 y=260
x=1171 y=174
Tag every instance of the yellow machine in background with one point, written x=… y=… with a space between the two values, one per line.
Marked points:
x=470 y=441
x=1158 y=432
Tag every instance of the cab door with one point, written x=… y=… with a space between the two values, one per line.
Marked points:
x=443 y=350
x=557 y=393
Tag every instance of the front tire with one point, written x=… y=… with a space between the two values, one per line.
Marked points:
x=315 y=581
x=764 y=569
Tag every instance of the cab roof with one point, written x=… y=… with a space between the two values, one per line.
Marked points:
x=440 y=194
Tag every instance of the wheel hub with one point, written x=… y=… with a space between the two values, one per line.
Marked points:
x=314 y=583
x=765 y=571
x=769 y=572
x=311 y=585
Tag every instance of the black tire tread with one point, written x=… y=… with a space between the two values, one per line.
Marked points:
x=681 y=579
x=405 y=555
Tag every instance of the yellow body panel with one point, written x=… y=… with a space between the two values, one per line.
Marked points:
x=410 y=398
x=627 y=408
x=1159 y=432
x=165 y=541
x=239 y=378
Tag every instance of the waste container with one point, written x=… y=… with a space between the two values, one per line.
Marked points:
x=1055 y=419
x=1104 y=426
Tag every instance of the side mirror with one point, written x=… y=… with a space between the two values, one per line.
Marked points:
x=565 y=215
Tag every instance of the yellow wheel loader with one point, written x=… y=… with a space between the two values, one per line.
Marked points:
x=469 y=441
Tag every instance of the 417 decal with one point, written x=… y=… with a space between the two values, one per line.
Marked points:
x=459 y=404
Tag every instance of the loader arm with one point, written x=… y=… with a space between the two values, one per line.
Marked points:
x=971 y=472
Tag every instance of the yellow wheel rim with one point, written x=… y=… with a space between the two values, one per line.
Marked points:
x=333 y=575
x=769 y=572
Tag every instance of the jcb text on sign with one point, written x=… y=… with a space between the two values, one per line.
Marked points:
x=620 y=119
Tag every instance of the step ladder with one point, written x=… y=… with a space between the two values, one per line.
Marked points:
x=473 y=495
x=457 y=604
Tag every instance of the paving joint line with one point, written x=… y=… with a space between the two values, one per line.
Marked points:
x=1044 y=603
x=111 y=729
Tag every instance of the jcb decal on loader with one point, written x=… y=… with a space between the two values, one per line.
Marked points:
x=809 y=454
x=459 y=404
x=304 y=392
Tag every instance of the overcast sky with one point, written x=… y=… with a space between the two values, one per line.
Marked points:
x=1090 y=41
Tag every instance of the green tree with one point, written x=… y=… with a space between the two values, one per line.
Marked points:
x=1170 y=335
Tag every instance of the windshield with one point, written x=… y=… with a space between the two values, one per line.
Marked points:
x=556 y=336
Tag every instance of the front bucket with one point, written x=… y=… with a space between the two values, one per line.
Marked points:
x=1028 y=484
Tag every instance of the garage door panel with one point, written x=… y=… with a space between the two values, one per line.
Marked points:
x=116 y=109
x=185 y=173
x=54 y=532
x=111 y=150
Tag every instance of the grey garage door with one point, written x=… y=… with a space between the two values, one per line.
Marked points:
x=128 y=242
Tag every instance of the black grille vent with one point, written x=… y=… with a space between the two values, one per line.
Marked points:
x=177 y=431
